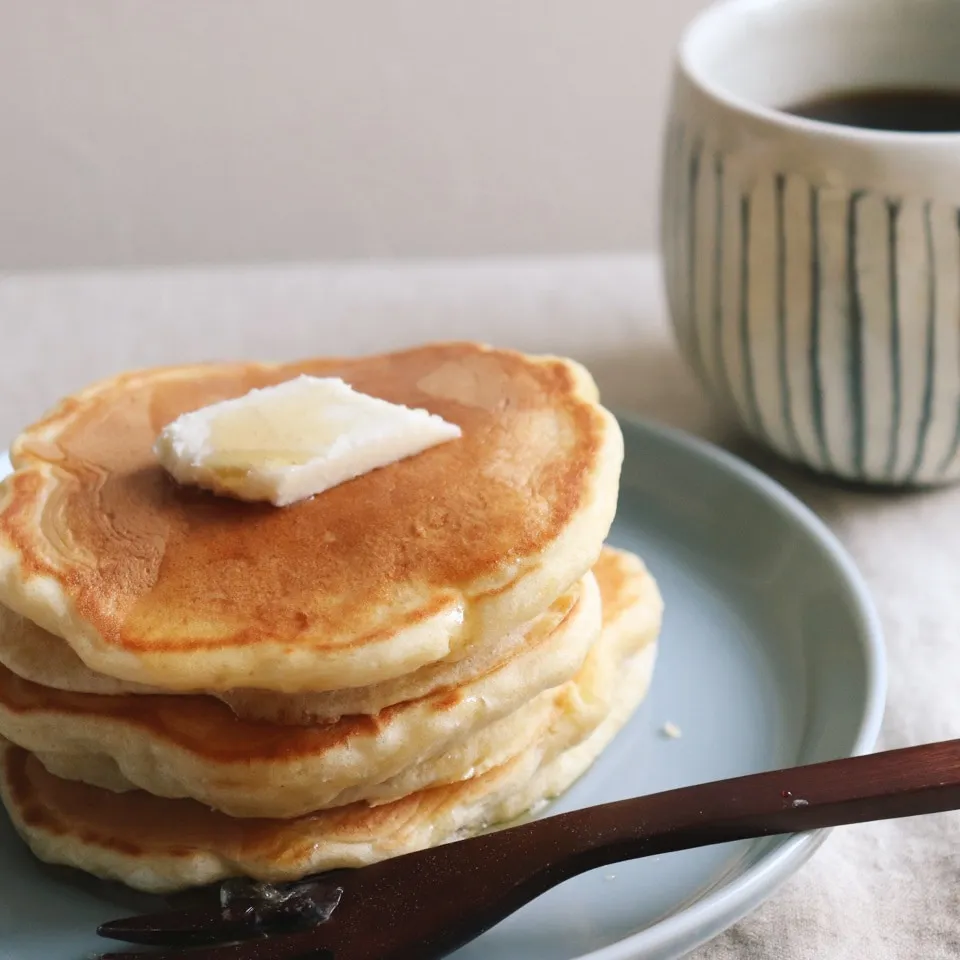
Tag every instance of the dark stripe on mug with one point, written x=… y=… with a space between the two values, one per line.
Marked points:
x=693 y=180
x=926 y=411
x=816 y=374
x=753 y=408
x=954 y=447
x=855 y=338
x=896 y=399
x=786 y=405
x=723 y=375
x=665 y=223
x=670 y=232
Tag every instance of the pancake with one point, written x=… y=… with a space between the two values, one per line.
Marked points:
x=631 y=621
x=194 y=746
x=32 y=653
x=36 y=655
x=420 y=561
x=160 y=845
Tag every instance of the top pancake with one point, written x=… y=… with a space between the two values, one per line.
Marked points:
x=180 y=589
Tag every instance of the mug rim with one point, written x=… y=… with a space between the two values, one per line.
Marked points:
x=719 y=10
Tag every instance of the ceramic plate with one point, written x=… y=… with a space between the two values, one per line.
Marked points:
x=771 y=656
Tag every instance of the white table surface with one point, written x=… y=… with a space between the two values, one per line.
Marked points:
x=875 y=891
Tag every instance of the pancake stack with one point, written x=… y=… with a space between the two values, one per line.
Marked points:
x=194 y=688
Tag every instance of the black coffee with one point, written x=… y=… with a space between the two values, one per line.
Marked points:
x=914 y=110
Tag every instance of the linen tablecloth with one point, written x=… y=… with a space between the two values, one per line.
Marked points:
x=874 y=891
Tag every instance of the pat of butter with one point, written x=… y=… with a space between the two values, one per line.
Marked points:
x=286 y=443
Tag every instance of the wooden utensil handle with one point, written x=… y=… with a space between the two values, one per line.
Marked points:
x=453 y=893
x=474 y=884
x=880 y=786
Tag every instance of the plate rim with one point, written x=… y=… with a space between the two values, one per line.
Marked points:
x=700 y=922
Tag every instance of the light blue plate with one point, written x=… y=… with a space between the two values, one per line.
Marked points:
x=771 y=656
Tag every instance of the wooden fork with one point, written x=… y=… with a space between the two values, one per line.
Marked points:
x=425 y=905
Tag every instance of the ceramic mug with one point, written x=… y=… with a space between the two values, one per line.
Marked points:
x=813 y=269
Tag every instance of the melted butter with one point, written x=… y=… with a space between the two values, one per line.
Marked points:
x=294 y=440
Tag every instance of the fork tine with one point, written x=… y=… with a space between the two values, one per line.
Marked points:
x=181 y=928
x=305 y=945
x=306 y=905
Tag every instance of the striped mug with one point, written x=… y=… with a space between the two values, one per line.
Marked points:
x=813 y=269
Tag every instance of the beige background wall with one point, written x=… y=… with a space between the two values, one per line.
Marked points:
x=173 y=131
